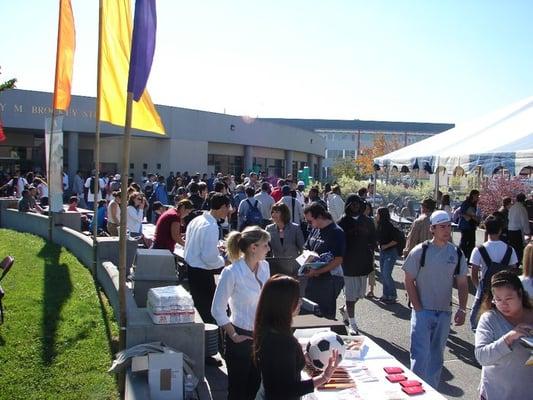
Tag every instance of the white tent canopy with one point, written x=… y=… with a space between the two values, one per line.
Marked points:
x=501 y=139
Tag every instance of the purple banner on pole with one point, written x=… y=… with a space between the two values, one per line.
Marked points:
x=142 y=47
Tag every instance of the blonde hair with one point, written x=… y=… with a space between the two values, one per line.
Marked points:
x=527 y=261
x=239 y=242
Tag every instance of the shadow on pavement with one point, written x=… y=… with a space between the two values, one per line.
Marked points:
x=463 y=350
x=447 y=389
x=399 y=352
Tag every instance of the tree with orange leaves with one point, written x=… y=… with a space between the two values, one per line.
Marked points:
x=365 y=158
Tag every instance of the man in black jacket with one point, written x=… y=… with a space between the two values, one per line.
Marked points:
x=358 y=262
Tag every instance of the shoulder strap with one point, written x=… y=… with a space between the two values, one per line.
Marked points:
x=485 y=255
x=293 y=203
x=425 y=246
x=256 y=203
x=458 y=266
x=507 y=257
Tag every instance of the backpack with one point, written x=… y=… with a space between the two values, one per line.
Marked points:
x=400 y=240
x=425 y=246
x=493 y=267
x=253 y=215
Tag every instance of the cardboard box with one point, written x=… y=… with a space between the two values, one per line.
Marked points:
x=165 y=374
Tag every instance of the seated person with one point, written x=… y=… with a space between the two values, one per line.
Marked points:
x=27 y=203
x=100 y=217
x=73 y=206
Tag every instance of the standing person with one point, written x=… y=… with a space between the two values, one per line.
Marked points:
x=168 y=228
x=266 y=201
x=506 y=316
x=314 y=196
x=286 y=238
x=276 y=351
x=300 y=195
x=202 y=254
x=113 y=214
x=249 y=212
x=335 y=203
x=42 y=191
x=327 y=240
x=420 y=230
x=77 y=188
x=239 y=288
x=89 y=184
x=483 y=259
x=430 y=269
x=359 y=241
x=507 y=202
x=518 y=224
x=135 y=213
x=295 y=207
x=388 y=240
x=276 y=193
x=468 y=222
x=527 y=276
x=445 y=204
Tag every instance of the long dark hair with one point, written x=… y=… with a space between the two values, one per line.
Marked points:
x=505 y=279
x=384 y=216
x=277 y=302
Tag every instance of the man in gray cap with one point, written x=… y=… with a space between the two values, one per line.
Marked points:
x=430 y=270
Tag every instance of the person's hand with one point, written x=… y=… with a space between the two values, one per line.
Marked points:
x=459 y=318
x=517 y=332
x=312 y=273
x=333 y=363
x=240 y=338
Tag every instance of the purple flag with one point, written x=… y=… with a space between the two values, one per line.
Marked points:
x=142 y=47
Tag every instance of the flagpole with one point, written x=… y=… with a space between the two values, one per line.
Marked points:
x=123 y=219
x=97 y=140
x=51 y=134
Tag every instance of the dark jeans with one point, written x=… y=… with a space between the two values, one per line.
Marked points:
x=202 y=287
x=243 y=376
x=468 y=242
x=516 y=240
x=324 y=291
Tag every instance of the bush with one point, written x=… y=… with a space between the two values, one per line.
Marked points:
x=389 y=192
x=493 y=190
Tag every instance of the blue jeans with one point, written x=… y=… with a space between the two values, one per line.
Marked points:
x=429 y=332
x=387 y=258
x=473 y=314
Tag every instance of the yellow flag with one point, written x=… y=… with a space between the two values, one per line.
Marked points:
x=66 y=44
x=115 y=58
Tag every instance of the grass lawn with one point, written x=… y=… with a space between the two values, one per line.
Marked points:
x=57 y=337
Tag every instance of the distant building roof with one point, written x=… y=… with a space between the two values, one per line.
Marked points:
x=356 y=124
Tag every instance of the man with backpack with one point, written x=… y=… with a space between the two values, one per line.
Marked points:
x=491 y=257
x=430 y=269
x=249 y=212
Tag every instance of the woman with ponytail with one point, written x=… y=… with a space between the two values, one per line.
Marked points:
x=239 y=288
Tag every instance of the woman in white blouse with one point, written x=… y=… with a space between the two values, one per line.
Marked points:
x=135 y=213
x=239 y=287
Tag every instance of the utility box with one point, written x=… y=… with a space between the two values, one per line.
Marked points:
x=152 y=268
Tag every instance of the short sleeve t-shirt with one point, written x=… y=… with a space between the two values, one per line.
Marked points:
x=434 y=281
x=496 y=250
x=163 y=238
x=329 y=239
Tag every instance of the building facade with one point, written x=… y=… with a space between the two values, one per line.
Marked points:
x=195 y=141
x=344 y=139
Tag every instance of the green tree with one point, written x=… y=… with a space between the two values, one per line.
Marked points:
x=10 y=84
x=345 y=167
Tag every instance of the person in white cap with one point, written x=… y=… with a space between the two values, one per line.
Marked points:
x=300 y=195
x=430 y=270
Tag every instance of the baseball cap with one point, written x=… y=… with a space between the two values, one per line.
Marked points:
x=285 y=190
x=117 y=177
x=353 y=198
x=301 y=183
x=440 y=217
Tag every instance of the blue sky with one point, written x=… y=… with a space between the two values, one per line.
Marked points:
x=426 y=60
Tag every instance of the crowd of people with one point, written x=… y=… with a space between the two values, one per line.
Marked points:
x=230 y=225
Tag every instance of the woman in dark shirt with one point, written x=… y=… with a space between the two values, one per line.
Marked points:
x=277 y=353
x=388 y=254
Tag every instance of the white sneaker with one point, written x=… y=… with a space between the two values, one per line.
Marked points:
x=344 y=316
x=353 y=330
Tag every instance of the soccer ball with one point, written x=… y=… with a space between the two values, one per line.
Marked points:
x=320 y=346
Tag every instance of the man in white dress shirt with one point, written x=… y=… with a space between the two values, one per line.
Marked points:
x=518 y=225
x=202 y=255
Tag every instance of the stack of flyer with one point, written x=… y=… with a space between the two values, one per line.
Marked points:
x=170 y=305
